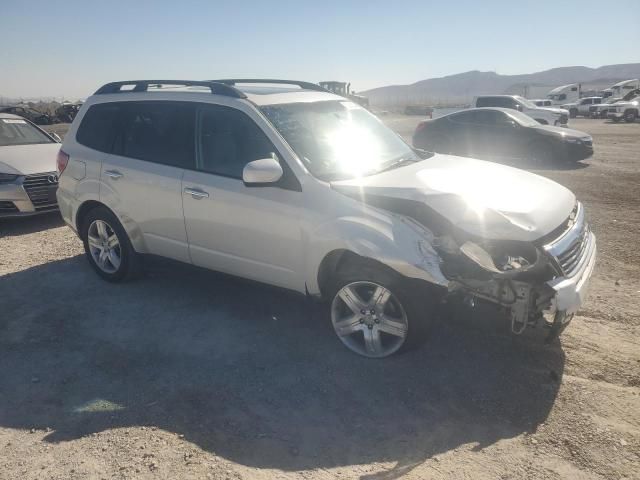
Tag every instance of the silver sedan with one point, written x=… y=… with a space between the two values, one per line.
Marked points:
x=28 y=177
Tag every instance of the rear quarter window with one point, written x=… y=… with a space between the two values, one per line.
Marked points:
x=97 y=127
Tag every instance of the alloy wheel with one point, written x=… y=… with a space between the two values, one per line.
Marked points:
x=369 y=319
x=104 y=246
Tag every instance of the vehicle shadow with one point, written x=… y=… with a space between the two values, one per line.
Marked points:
x=16 y=226
x=254 y=374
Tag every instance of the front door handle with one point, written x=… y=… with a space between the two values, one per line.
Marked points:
x=113 y=174
x=196 y=193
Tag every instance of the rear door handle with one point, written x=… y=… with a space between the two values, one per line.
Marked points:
x=196 y=193
x=113 y=174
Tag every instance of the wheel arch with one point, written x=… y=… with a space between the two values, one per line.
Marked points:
x=134 y=233
x=403 y=250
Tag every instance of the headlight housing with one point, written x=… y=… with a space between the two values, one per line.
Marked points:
x=8 y=178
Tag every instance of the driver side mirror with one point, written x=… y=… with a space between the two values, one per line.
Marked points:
x=262 y=173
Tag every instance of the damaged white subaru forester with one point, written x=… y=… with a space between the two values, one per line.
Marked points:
x=287 y=184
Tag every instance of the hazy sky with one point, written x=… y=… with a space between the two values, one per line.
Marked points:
x=71 y=47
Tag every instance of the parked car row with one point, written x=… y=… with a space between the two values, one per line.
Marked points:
x=65 y=113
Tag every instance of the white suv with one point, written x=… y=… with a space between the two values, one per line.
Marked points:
x=287 y=184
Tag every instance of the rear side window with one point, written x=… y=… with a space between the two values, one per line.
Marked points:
x=97 y=128
x=159 y=132
x=228 y=140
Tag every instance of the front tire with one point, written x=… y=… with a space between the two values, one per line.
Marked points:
x=630 y=116
x=373 y=312
x=541 y=154
x=107 y=246
x=573 y=113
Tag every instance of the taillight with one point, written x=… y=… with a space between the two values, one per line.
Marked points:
x=62 y=161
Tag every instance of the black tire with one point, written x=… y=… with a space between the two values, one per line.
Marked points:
x=615 y=119
x=130 y=261
x=540 y=154
x=420 y=303
x=630 y=116
x=573 y=113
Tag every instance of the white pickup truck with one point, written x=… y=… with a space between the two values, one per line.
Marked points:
x=581 y=106
x=542 y=115
x=628 y=111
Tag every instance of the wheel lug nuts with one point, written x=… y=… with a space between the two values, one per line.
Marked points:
x=372 y=311
x=370 y=326
x=377 y=320
x=363 y=311
x=362 y=320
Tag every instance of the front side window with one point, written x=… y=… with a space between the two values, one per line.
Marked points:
x=338 y=139
x=228 y=140
x=17 y=131
x=159 y=132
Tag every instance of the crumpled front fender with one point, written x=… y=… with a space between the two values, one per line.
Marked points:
x=396 y=241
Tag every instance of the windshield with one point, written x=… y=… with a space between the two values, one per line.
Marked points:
x=523 y=119
x=338 y=139
x=525 y=102
x=17 y=131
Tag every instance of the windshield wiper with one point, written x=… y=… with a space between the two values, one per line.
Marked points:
x=398 y=163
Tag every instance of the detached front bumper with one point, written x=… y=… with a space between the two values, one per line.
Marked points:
x=571 y=292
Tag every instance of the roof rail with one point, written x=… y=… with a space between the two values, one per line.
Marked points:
x=217 y=88
x=305 y=85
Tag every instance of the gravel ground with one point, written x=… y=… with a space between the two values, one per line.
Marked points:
x=190 y=374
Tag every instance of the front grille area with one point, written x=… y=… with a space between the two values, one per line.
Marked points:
x=41 y=189
x=572 y=244
x=8 y=207
x=570 y=258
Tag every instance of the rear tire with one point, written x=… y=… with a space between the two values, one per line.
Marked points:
x=374 y=311
x=107 y=246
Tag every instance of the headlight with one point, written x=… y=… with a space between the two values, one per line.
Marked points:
x=7 y=178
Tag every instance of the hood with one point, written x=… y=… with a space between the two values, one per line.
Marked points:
x=482 y=198
x=557 y=111
x=561 y=131
x=29 y=159
x=633 y=103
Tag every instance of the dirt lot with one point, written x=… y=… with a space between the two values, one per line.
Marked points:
x=190 y=374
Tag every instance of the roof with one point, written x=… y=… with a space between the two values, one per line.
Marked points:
x=562 y=87
x=272 y=96
x=624 y=82
x=259 y=91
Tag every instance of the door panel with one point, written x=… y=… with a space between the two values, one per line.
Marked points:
x=142 y=177
x=149 y=197
x=252 y=232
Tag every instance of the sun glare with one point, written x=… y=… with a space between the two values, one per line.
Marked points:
x=355 y=149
